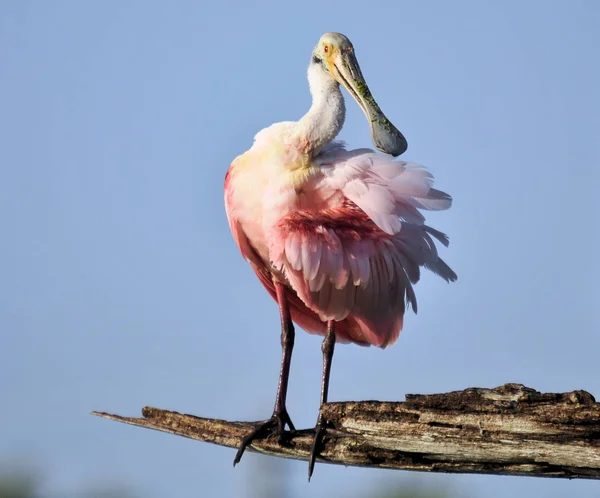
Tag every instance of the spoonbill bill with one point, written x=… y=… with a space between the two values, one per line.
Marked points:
x=336 y=236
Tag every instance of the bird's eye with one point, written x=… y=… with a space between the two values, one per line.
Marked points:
x=326 y=49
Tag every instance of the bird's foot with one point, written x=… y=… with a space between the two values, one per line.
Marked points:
x=320 y=431
x=275 y=426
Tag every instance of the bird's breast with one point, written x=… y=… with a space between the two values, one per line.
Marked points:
x=265 y=186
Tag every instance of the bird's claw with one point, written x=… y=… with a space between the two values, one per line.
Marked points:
x=320 y=431
x=275 y=426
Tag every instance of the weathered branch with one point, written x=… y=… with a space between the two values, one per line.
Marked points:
x=512 y=430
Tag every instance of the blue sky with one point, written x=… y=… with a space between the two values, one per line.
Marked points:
x=122 y=286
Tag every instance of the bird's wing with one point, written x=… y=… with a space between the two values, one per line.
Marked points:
x=389 y=191
x=358 y=259
x=343 y=267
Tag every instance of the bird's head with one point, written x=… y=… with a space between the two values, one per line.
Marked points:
x=334 y=54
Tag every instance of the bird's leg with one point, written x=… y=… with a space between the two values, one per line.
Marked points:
x=276 y=424
x=327 y=347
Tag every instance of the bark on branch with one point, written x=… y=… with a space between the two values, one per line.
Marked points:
x=510 y=430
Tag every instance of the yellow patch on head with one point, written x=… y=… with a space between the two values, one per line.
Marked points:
x=330 y=46
x=330 y=55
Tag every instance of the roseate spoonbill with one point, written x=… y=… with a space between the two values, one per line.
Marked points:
x=334 y=235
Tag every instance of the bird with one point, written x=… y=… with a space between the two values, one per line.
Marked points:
x=336 y=236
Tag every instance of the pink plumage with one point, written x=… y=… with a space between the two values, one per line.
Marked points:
x=349 y=244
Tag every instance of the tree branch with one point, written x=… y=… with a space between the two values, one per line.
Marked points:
x=509 y=430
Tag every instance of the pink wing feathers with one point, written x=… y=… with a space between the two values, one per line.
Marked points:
x=389 y=191
x=355 y=262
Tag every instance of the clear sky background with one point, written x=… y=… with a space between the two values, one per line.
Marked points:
x=121 y=285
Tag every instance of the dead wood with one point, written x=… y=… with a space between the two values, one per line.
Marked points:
x=509 y=430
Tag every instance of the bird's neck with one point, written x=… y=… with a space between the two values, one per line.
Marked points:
x=325 y=118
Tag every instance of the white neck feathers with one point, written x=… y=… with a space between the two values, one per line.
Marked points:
x=325 y=118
